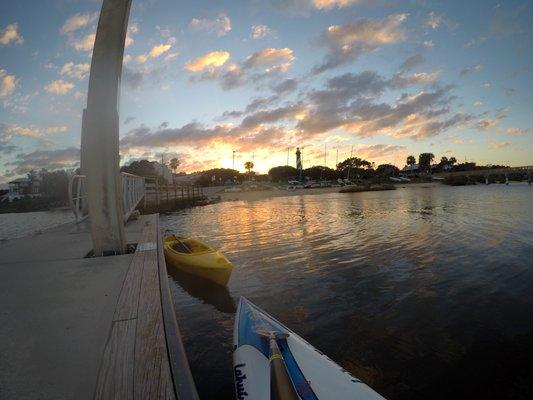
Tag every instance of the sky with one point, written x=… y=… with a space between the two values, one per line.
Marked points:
x=202 y=79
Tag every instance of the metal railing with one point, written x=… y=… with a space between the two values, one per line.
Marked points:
x=133 y=191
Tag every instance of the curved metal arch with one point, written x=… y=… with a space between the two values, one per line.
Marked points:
x=100 y=130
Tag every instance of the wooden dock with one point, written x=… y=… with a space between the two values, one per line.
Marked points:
x=89 y=328
x=137 y=360
x=169 y=197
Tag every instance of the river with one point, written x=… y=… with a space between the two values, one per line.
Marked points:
x=420 y=292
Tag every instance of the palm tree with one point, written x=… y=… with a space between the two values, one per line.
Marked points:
x=174 y=164
x=249 y=166
x=411 y=160
x=424 y=160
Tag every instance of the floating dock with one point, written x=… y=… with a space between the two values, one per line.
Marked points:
x=89 y=328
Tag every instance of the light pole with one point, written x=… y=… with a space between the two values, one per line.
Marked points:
x=350 y=162
x=233 y=160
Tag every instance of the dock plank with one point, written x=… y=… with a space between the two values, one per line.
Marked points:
x=115 y=380
x=150 y=349
x=135 y=363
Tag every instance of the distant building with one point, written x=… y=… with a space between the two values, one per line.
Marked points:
x=410 y=169
x=188 y=179
x=23 y=187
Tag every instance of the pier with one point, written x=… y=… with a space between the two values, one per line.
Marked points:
x=82 y=327
x=86 y=307
x=526 y=171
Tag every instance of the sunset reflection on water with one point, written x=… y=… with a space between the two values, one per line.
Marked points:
x=406 y=289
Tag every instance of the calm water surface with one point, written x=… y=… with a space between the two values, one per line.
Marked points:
x=420 y=292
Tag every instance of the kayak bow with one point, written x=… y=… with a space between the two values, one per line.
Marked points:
x=312 y=374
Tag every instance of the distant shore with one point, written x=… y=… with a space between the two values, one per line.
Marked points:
x=266 y=194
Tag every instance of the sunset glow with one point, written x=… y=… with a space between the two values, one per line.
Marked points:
x=200 y=82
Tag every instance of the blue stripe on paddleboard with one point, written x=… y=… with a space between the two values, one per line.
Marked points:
x=249 y=322
x=296 y=374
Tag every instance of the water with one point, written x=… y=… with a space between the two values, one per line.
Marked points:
x=420 y=292
x=15 y=225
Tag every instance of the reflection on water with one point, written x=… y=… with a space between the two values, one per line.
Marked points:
x=420 y=292
x=208 y=292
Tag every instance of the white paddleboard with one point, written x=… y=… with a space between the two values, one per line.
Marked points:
x=313 y=374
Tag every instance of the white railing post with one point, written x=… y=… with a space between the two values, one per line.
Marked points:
x=133 y=191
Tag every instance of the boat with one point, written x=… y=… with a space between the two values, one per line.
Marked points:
x=272 y=362
x=197 y=258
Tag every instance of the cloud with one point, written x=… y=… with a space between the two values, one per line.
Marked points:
x=128 y=120
x=220 y=25
x=433 y=20
x=378 y=151
x=349 y=104
x=78 y=71
x=10 y=35
x=288 y=85
x=499 y=145
x=78 y=21
x=7 y=148
x=128 y=41
x=456 y=139
x=412 y=62
x=8 y=83
x=347 y=42
x=209 y=61
x=133 y=29
x=261 y=31
x=487 y=124
x=49 y=159
x=171 y=57
x=275 y=60
x=256 y=67
x=419 y=78
x=132 y=79
x=141 y=58
x=7 y=131
x=159 y=49
x=84 y=44
x=328 y=4
x=59 y=87
x=517 y=131
x=471 y=69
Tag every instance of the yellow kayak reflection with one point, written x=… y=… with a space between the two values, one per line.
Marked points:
x=197 y=258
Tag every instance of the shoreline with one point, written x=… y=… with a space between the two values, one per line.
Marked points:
x=266 y=194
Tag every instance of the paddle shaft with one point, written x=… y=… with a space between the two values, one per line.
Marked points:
x=281 y=386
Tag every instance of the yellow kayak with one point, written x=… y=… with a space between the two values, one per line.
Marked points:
x=197 y=258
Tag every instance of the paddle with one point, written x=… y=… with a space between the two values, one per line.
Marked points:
x=281 y=386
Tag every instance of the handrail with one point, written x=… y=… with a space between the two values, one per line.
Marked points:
x=78 y=202
x=133 y=191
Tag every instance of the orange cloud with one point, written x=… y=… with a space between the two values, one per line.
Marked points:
x=59 y=87
x=209 y=61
